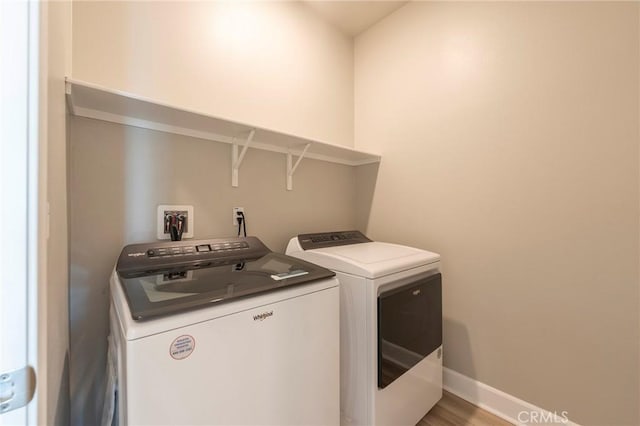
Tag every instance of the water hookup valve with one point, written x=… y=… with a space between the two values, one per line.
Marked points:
x=175 y=224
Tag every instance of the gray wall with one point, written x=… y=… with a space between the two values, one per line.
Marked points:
x=509 y=133
x=118 y=176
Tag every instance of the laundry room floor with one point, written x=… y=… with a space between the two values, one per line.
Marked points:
x=454 y=411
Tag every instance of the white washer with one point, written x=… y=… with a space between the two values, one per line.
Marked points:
x=390 y=327
x=224 y=332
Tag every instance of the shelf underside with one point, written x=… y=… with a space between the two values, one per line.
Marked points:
x=87 y=100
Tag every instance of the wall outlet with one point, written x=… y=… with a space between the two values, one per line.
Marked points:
x=161 y=232
x=237 y=210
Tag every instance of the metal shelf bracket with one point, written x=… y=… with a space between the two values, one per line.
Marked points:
x=291 y=168
x=236 y=160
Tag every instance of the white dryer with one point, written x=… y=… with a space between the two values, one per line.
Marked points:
x=390 y=325
x=224 y=332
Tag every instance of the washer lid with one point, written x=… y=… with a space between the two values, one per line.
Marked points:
x=370 y=260
x=162 y=280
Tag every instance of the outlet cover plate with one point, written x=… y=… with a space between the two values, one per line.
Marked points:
x=174 y=207
x=236 y=210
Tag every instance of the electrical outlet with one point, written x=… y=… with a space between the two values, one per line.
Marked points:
x=162 y=232
x=237 y=210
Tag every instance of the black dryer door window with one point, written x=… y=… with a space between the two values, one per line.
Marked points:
x=409 y=326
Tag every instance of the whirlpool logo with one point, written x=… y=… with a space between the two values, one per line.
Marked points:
x=136 y=254
x=263 y=316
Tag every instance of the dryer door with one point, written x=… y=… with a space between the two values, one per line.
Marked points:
x=409 y=326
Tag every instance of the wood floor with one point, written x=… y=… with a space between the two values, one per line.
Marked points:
x=454 y=411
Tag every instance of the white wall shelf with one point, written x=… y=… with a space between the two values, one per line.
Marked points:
x=92 y=101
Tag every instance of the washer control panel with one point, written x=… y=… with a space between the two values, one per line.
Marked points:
x=151 y=256
x=231 y=246
x=330 y=239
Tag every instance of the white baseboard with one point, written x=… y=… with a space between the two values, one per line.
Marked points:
x=508 y=407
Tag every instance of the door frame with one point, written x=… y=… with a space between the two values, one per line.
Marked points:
x=24 y=198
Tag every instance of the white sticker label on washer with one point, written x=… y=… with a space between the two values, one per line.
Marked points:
x=182 y=347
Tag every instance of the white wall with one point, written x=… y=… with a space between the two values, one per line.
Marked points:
x=56 y=64
x=509 y=134
x=274 y=65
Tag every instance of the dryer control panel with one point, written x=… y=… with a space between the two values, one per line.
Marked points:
x=330 y=239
